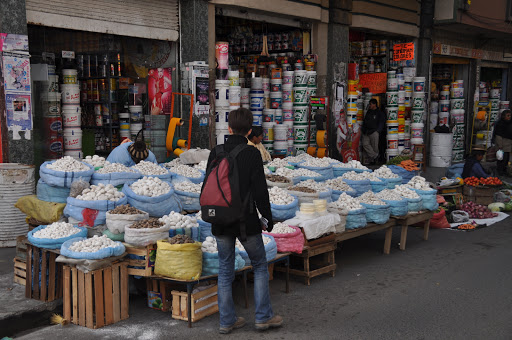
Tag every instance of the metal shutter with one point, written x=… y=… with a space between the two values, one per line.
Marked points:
x=151 y=19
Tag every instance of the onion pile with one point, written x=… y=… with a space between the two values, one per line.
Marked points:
x=209 y=245
x=315 y=162
x=281 y=228
x=477 y=210
x=67 y=164
x=404 y=191
x=312 y=184
x=150 y=187
x=176 y=221
x=351 y=164
x=93 y=244
x=100 y=192
x=278 y=163
x=186 y=171
x=279 y=196
x=296 y=173
x=418 y=182
x=389 y=195
x=187 y=186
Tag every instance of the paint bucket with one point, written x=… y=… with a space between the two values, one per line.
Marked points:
x=416 y=141
x=417 y=115
x=391 y=74
x=234 y=78
x=73 y=139
x=278 y=116
x=280 y=147
x=504 y=105
x=460 y=83
x=268 y=115
x=444 y=95
x=280 y=132
x=221 y=92
x=244 y=95
x=444 y=118
x=256 y=100
x=69 y=76
x=72 y=119
x=458 y=155
x=234 y=95
x=76 y=154
x=392 y=127
x=456 y=93
x=287 y=93
x=70 y=94
x=221 y=136
x=221 y=116
x=289 y=130
x=268 y=131
x=444 y=105
x=458 y=142
x=269 y=146
x=311 y=78
x=392 y=141
x=265 y=84
x=352 y=101
x=392 y=98
x=456 y=104
x=407 y=142
x=418 y=84
x=408 y=84
x=454 y=85
x=134 y=129
x=459 y=130
x=300 y=148
x=276 y=100
x=287 y=77
x=401 y=84
x=158 y=137
x=401 y=98
x=434 y=107
x=401 y=126
x=257 y=117
x=300 y=113
x=288 y=111
x=418 y=100
x=391 y=153
x=458 y=115
x=311 y=92
x=417 y=130
x=392 y=112
x=136 y=113
x=124 y=123
x=300 y=78
x=407 y=126
x=392 y=84
x=276 y=85
x=300 y=95
x=300 y=133
x=495 y=104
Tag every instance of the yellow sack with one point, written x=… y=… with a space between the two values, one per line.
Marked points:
x=47 y=212
x=179 y=261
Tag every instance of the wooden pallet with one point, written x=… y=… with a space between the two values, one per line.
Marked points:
x=199 y=300
x=145 y=264
x=97 y=298
x=20 y=271
x=159 y=289
x=21 y=247
x=44 y=275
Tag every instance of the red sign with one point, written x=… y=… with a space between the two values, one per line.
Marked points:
x=403 y=51
x=375 y=82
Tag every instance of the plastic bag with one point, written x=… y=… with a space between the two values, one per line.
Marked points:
x=189 y=200
x=284 y=212
x=179 y=261
x=194 y=156
x=181 y=178
x=49 y=193
x=77 y=187
x=118 y=250
x=211 y=263
x=339 y=171
x=459 y=216
x=356 y=219
x=360 y=187
x=112 y=236
x=270 y=251
x=377 y=213
x=398 y=208
x=378 y=186
x=154 y=206
x=326 y=172
x=46 y=212
x=291 y=242
x=61 y=178
x=115 y=178
x=406 y=175
x=439 y=221
x=340 y=227
x=499 y=155
x=193 y=232
x=455 y=171
x=280 y=184
x=49 y=243
x=391 y=183
x=429 y=199
x=414 y=204
x=205 y=229
x=116 y=223
x=84 y=210
x=145 y=236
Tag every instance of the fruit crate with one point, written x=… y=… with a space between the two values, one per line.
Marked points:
x=43 y=275
x=204 y=303
x=141 y=260
x=97 y=298
x=159 y=294
x=20 y=271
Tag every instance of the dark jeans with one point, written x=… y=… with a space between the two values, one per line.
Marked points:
x=502 y=165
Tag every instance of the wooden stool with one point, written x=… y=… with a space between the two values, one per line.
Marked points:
x=419 y=149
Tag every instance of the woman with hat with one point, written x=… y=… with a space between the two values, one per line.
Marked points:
x=472 y=167
x=130 y=153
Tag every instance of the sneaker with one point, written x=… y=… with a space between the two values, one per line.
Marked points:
x=240 y=322
x=276 y=321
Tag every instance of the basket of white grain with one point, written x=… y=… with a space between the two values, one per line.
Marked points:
x=377 y=211
x=52 y=236
x=386 y=175
x=339 y=169
x=182 y=225
x=152 y=195
x=399 y=205
x=98 y=199
x=150 y=169
x=94 y=248
x=123 y=215
x=115 y=174
x=288 y=238
x=349 y=208
x=211 y=257
x=145 y=232
x=282 y=204
x=320 y=165
x=428 y=195
x=182 y=172
x=64 y=171
x=414 y=201
x=188 y=193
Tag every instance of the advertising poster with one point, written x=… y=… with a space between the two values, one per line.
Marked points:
x=159 y=90
x=202 y=100
x=13 y=42
x=16 y=74
x=19 y=113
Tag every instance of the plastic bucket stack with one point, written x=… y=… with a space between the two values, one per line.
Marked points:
x=257 y=100
x=52 y=119
x=457 y=113
x=158 y=134
x=222 y=106
x=71 y=111
x=441 y=150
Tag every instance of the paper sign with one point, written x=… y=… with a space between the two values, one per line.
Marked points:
x=318 y=102
x=17 y=74
x=403 y=51
x=68 y=54
x=375 y=82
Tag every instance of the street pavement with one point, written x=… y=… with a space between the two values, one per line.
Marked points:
x=456 y=285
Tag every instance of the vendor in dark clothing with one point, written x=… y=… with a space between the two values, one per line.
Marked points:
x=373 y=125
x=472 y=167
x=503 y=140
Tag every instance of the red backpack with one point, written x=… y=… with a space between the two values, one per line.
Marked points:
x=220 y=198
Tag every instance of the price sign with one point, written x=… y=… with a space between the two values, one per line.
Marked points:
x=375 y=82
x=318 y=102
x=403 y=51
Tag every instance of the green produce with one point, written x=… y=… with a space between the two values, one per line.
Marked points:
x=495 y=207
x=508 y=206
x=398 y=159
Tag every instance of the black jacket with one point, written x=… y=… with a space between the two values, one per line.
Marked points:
x=374 y=120
x=252 y=179
x=503 y=129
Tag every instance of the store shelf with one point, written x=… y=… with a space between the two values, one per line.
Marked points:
x=100 y=102
x=368 y=56
x=99 y=77
x=100 y=127
x=250 y=53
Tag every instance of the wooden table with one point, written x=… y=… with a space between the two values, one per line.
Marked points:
x=410 y=219
x=370 y=228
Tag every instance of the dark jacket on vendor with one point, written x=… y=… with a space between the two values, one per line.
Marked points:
x=250 y=166
x=473 y=168
x=374 y=120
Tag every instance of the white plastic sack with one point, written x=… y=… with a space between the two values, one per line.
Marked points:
x=194 y=156
x=116 y=223
x=146 y=236
x=316 y=227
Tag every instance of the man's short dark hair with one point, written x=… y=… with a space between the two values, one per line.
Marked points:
x=256 y=132
x=240 y=121
x=373 y=101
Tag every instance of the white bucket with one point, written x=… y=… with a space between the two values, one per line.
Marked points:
x=392 y=140
x=289 y=130
x=391 y=153
x=222 y=92
x=69 y=76
x=268 y=131
x=434 y=107
x=287 y=111
x=70 y=94
x=300 y=148
x=280 y=147
x=495 y=104
x=257 y=117
x=300 y=78
x=256 y=99
x=416 y=141
x=73 y=139
x=392 y=98
x=287 y=77
x=278 y=116
x=72 y=120
x=76 y=154
x=457 y=93
x=392 y=84
x=276 y=85
x=52 y=85
x=440 y=161
x=392 y=112
x=135 y=128
x=300 y=113
x=444 y=95
x=441 y=139
x=418 y=100
x=221 y=114
x=234 y=78
x=244 y=95
x=457 y=104
x=417 y=130
x=221 y=136
x=136 y=115
x=505 y=105
x=401 y=98
x=269 y=115
x=300 y=95
x=300 y=133
x=311 y=78
x=280 y=132
x=276 y=99
x=287 y=93
x=444 y=105
x=234 y=95
x=124 y=133
x=257 y=83
x=458 y=155
x=418 y=84
x=444 y=117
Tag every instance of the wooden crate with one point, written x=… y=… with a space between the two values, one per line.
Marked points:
x=97 y=298
x=143 y=266
x=44 y=275
x=21 y=247
x=199 y=300
x=20 y=270
x=159 y=289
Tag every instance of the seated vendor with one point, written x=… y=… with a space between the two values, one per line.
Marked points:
x=472 y=167
x=130 y=153
x=255 y=138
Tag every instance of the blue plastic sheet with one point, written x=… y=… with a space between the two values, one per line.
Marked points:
x=115 y=178
x=415 y=204
x=270 y=251
x=189 y=200
x=118 y=250
x=180 y=178
x=325 y=195
x=455 y=170
x=429 y=199
x=360 y=187
x=398 y=208
x=356 y=219
x=336 y=194
x=193 y=232
x=377 y=213
x=49 y=193
x=154 y=206
x=406 y=175
x=391 y=183
x=326 y=172
x=205 y=229
x=61 y=178
x=284 y=212
x=49 y=243
x=378 y=186
x=75 y=207
x=211 y=263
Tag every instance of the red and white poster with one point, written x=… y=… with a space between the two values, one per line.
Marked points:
x=159 y=90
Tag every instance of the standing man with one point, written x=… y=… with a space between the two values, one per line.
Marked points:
x=373 y=125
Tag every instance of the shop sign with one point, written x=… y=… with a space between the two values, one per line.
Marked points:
x=464 y=52
x=68 y=54
x=318 y=102
x=375 y=82
x=403 y=51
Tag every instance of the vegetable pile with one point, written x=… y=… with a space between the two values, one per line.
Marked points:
x=353 y=164
x=281 y=228
x=147 y=224
x=418 y=182
x=477 y=210
x=279 y=196
x=296 y=173
x=114 y=167
x=95 y=161
x=473 y=181
x=385 y=172
x=181 y=239
x=125 y=209
x=408 y=165
x=188 y=187
x=370 y=198
x=277 y=178
x=345 y=202
x=186 y=171
x=338 y=184
x=209 y=245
